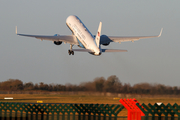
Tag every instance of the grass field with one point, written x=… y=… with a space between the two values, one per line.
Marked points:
x=33 y=98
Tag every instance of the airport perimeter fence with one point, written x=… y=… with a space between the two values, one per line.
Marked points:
x=60 y=111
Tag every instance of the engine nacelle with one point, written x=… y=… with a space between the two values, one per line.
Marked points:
x=106 y=40
x=57 y=42
x=106 y=44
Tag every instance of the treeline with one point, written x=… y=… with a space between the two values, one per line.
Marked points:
x=112 y=84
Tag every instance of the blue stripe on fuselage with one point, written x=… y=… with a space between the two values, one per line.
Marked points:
x=80 y=44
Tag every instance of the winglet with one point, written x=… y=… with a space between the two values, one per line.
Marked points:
x=16 y=30
x=160 y=32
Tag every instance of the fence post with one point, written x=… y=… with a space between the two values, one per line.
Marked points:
x=0 y=111
x=26 y=115
x=5 y=114
x=42 y=115
x=32 y=115
x=47 y=115
x=10 y=115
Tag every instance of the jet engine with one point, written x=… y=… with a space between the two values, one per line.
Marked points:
x=106 y=44
x=57 y=42
x=106 y=41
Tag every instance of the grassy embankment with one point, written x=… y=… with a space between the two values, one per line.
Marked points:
x=33 y=98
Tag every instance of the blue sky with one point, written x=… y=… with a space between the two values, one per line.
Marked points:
x=153 y=60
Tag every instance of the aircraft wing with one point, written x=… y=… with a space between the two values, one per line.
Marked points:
x=71 y=39
x=106 y=39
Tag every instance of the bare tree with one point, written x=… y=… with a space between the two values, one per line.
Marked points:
x=112 y=84
x=12 y=84
x=28 y=86
x=99 y=84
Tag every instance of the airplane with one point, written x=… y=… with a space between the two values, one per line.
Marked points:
x=83 y=38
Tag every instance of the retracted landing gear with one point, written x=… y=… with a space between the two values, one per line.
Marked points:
x=71 y=51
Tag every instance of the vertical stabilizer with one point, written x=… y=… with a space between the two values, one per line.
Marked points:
x=97 y=39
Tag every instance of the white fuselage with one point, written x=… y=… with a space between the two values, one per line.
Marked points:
x=83 y=35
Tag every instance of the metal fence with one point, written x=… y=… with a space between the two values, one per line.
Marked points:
x=160 y=112
x=27 y=111
x=59 y=111
x=60 y=117
x=159 y=118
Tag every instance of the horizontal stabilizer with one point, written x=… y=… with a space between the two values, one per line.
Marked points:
x=113 y=50
x=82 y=50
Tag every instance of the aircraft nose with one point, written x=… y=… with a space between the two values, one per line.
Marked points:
x=99 y=53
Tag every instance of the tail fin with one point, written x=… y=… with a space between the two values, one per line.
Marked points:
x=97 y=39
